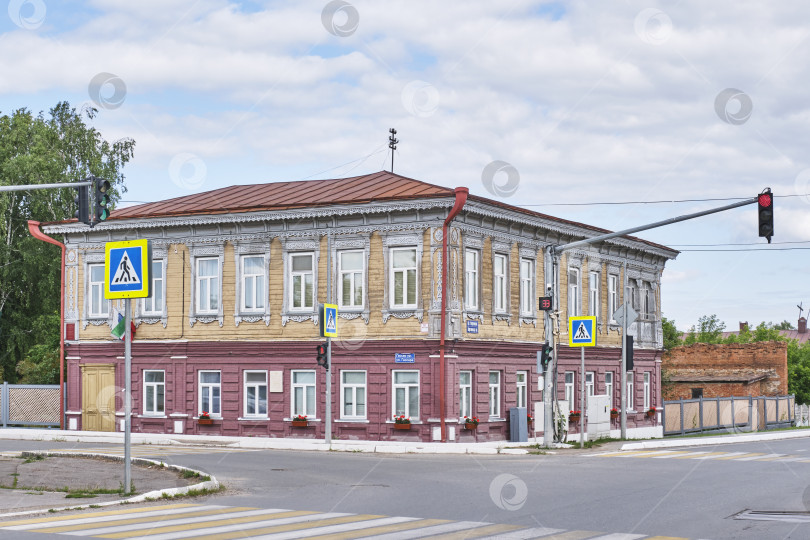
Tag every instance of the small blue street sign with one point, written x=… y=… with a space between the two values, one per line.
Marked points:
x=404 y=358
x=582 y=331
x=127 y=266
x=472 y=327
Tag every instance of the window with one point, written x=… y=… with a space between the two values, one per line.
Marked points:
x=495 y=394
x=154 y=392
x=154 y=304
x=403 y=277
x=210 y=392
x=631 y=294
x=609 y=386
x=613 y=296
x=499 y=282
x=256 y=393
x=593 y=294
x=522 y=378
x=697 y=393
x=629 y=392
x=208 y=285
x=302 y=279
x=99 y=306
x=471 y=279
x=351 y=269
x=465 y=394
x=253 y=293
x=589 y=389
x=303 y=393
x=574 y=300
x=526 y=287
x=646 y=390
x=569 y=389
x=406 y=394
x=353 y=392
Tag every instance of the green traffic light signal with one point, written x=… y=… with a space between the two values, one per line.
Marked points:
x=102 y=209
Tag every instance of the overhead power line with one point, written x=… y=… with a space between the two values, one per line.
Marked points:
x=659 y=202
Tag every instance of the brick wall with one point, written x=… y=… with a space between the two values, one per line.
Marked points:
x=727 y=361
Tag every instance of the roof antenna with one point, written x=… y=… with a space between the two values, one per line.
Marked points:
x=801 y=309
x=392 y=144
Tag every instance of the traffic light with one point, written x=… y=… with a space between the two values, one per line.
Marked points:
x=102 y=199
x=765 y=213
x=545 y=355
x=629 y=352
x=82 y=201
x=544 y=303
x=322 y=358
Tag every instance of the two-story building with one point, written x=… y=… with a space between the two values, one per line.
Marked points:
x=232 y=325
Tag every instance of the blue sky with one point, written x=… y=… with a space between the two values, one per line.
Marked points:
x=613 y=102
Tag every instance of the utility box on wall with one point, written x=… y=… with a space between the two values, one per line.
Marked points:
x=518 y=424
x=598 y=414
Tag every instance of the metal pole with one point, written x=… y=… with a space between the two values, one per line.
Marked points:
x=329 y=340
x=582 y=398
x=548 y=413
x=623 y=383
x=127 y=395
x=29 y=187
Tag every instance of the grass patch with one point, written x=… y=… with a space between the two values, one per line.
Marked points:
x=596 y=443
x=32 y=459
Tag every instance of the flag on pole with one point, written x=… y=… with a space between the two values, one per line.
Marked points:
x=119 y=329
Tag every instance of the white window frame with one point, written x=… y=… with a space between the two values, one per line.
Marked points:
x=646 y=383
x=574 y=297
x=593 y=295
x=152 y=387
x=590 y=384
x=259 y=281
x=392 y=272
x=472 y=262
x=256 y=386
x=408 y=386
x=570 y=387
x=96 y=288
x=213 y=283
x=354 y=280
x=526 y=286
x=629 y=391
x=306 y=388
x=211 y=389
x=465 y=394
x=522 y=389
x=495 y=394
x=348 y=410
x=609 y=386
x=613 y=296
x=500 y=284
x=293 y=274
x=157 y=289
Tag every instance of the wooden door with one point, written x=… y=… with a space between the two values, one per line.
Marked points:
x=98 y=397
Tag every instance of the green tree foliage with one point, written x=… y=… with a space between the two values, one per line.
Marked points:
x=40 y=149
x=799 y=370
x=672 y=337
x=709 y=330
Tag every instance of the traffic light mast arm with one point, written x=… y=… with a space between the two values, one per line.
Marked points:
x=559 y=249
x=44 y=186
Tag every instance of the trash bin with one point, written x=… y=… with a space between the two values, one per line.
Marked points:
x=518 y=425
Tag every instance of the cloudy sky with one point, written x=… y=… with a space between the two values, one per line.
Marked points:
x=589 y=102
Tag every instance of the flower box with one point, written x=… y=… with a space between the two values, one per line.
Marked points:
x=650 y=413
x=574 y=417
x=299 y=423
x=470 y=426
x=205 y=421
x=402 y=426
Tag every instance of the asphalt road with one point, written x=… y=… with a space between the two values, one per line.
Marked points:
x=693 y=494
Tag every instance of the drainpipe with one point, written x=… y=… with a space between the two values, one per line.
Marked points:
x=461 y=198
x=33 y=227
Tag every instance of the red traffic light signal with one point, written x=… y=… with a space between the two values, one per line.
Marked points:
x=765 y=214
x=322 y=355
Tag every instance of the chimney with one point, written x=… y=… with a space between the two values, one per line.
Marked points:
x=802 y=325
x=743 y=326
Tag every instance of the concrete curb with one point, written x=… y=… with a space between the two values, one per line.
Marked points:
x=710 y=441
x=212 y=484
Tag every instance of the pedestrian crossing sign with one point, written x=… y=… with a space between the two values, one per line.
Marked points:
x=329 y=317
x=582 y=331
x=126 y=269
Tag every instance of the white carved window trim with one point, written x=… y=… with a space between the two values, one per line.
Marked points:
x=502 y=314
x=472 y=281
x=240 y=314
x=204 y=252
x=89 y=286
x=476 y=244
x=393 y=241
x=574 y=309
x=340 y=246
x=160 y=315
x=299 y=247
x=614 y=295
x=527 y=255
x=522 y=389
x=594 y=295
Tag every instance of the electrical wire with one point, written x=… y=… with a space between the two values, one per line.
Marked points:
x=661 y=201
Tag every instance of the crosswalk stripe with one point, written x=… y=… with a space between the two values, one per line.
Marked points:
x=670 y=454
x=247 y=522
x=703 y=455
x=572 y=535
x=351 y=530
x=113 y=514
x=758 y=457
x=478 y=532
x=523 y=534
x=619 y=536
x=772 y=457
x=667 y=538
x=426 y=532
x=732 y=455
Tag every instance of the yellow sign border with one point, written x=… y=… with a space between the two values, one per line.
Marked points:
x=325 y=332
x=146 y=264
x=571 y=321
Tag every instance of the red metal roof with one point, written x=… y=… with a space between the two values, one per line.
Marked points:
x=381 y=186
